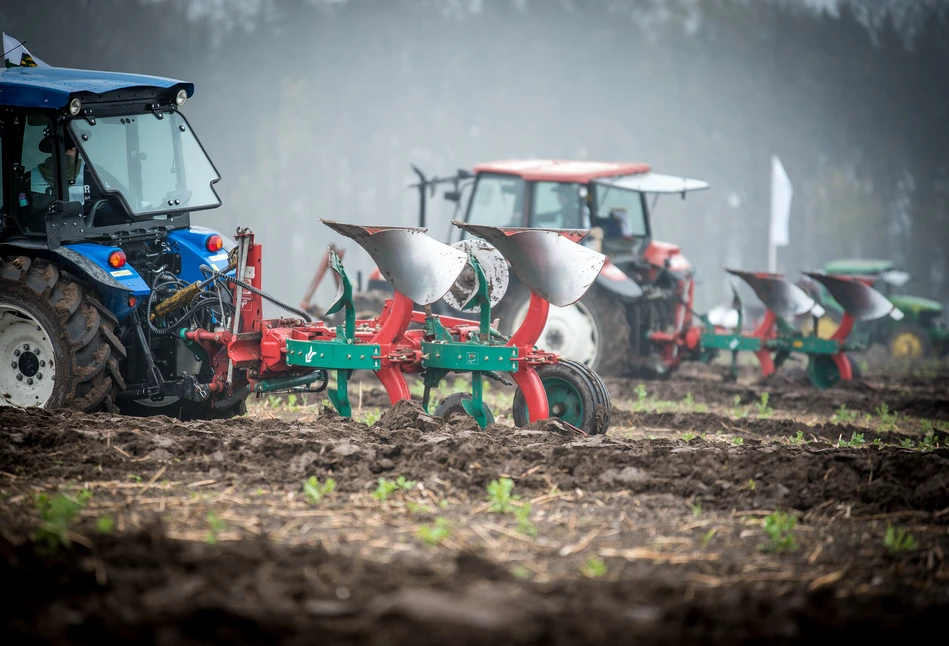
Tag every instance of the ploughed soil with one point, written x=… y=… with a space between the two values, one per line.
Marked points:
x=663 y=531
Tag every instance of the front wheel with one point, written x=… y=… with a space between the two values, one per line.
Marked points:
x=575 y=394
x=58 y=348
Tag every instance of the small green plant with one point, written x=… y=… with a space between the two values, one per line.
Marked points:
x=708 y=538
x=435 y=533
x=417 y=508
x=105 y=524
x=907 y=443
x=58 y=514
x=898 y=540
x=798 y=439
x=522 y=572
x=696 y=508
x=316 y=491
x=779 y=527
x=403 y=484
x=594 y=567
x=370 y=417
x=135 y=477
x=640 y=403
x=929 y=443
x=499 y=494
x=738 y=441
x=842 y=415
x=688 y=401
x=215 y=527
x=739 y=411
x=751 y=485
x=762 y=406
x=688 y=436
x=856 y=441
x=888 y=418
x=292 y=403
x=523 y=515
x=272 y=402
x=384 y=489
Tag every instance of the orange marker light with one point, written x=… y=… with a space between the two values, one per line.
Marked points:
x=117 y=259
x=214 y=243
x=133 y=301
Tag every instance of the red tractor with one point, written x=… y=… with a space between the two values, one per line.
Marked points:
x=637 y=319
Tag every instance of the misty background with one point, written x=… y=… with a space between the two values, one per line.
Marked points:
x=317 y=108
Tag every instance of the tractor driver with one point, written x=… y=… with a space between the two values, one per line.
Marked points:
x=567 y=216
x=38 y=183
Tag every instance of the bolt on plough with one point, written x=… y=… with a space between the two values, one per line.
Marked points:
x=260 y=356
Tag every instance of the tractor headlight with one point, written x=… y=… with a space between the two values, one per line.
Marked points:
x=181 y=97
x=75 y=105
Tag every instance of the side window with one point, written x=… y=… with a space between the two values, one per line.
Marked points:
x=556 y=205
x=36 y=186
x=497 y=201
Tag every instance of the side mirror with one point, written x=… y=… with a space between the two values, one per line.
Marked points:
x=453 y=196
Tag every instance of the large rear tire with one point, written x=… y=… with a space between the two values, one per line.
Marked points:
x=592 y=331
x=58 y=347
x=575 y=394
x=909 y=341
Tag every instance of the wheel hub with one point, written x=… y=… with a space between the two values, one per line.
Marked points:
x=907 y=345
x=29 y=375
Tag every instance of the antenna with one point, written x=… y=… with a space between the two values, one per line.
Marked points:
x=14 y=48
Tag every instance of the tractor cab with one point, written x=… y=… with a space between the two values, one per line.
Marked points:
x=98 y=155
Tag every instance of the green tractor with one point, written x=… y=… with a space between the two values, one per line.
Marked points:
x=922 y=332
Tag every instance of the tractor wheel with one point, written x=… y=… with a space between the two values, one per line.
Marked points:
x=575 y=394
x=452 y=405
x=58 y=347
x=909 y=341
x=592 y=331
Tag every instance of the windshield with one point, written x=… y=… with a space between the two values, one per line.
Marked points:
x=556 y=205
x=156 y=165
x=497 y=201
x=619 y=212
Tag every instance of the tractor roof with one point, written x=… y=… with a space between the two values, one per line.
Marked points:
x=865 y=266
x=51 y=87
x=560 y=170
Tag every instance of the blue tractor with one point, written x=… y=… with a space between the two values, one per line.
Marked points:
x=99 y=262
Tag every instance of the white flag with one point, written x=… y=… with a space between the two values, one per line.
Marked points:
x=16 y=55
x=781 y=193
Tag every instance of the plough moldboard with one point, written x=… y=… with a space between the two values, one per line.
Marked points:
x=262 y=356
x=775 y=338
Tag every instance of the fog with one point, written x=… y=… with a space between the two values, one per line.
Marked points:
x=316 y=109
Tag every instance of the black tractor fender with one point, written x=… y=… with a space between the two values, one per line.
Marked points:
x=74 y=262
x=622 y=286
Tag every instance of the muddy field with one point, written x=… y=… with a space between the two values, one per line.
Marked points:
x=712 y=513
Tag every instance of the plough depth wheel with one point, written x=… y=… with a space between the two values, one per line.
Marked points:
x=575 y=394
x=456 y=404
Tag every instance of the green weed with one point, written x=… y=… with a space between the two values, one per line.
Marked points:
x=370 y=417
x=696 y=508
x=215 y=527
x=594 y=567
x=105 y=524
x=855 y=442
x=316 y=491
x=798 y=439
x=898 y=540
x=384 y=489
x=707 y=538
x=436 y=533
x=688 y=436
x=762 y=406
x=779 y=527
x=738 y=441
x=499 y=494
x=888 y=418
x=58 y=514
x=523 y=515
x=907 y=443
x=842 y=415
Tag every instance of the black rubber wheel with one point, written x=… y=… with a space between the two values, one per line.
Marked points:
x=57 y=340
x=909 y=341
x=609 y=327
x=452 y=405
x=575 y=394
x=854 y=368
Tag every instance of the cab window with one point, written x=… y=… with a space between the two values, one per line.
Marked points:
x=556 y=205
x=35 y=188
x=498 y=201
